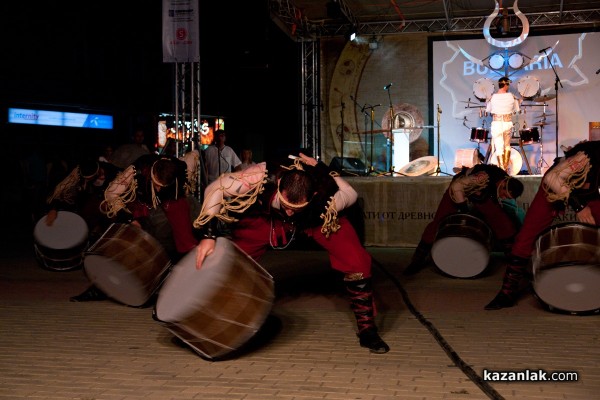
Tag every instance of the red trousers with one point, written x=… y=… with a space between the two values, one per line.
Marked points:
x=500 y=223
x=253 y=235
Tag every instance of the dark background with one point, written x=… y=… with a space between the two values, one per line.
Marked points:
x=106 y=57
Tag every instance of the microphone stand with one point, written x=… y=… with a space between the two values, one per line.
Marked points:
x=438 y=170
x=362 y=110
x=390 y=140
x=372 y=113
x=343 y=105
x=556 y=83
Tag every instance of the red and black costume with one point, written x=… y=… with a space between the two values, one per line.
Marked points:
x=133 y=196
x=573 y=180
x=263 y=225
x=479 y=195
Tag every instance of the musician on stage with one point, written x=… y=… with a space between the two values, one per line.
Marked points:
x=302 y=199
x=573 y=180
x=480 y=190
x=502 y=105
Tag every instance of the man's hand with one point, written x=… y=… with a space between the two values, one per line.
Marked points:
x=308 y=160
x=51 y=217
x=204 y=249
x=585 y=216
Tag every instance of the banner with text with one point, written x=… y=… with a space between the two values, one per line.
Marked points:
x=180 y=31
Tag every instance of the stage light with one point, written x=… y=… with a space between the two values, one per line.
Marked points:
x=351 y=34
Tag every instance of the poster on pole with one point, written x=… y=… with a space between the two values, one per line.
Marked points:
x=180 y=31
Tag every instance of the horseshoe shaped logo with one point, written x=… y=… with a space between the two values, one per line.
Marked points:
x=506 y=43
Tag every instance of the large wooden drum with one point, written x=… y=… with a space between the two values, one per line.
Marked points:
x=60 y=247
x=127 y=263
x=566 y=268
x=218 y=308
x=462 y=246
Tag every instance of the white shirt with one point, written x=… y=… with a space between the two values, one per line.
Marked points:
x=220 y=161
x=502 y=103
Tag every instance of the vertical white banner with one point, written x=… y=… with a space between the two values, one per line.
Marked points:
x=180 y=31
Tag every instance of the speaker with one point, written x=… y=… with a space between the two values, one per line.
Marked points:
x=352 y=166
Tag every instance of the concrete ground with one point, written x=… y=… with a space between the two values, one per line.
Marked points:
x=441 y=339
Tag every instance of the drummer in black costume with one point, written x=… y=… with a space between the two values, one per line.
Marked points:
x=479 y=190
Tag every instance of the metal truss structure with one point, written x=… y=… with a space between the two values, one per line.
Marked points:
x=308 y=34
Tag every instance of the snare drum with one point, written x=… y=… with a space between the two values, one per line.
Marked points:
x=529 y=135
x=216 y=309
x=515 y=163
x=479 y=135
x=483 y=88
x=127 y=263
x=529 y=87
x=60 y=247
x=462 y=246
x=566 y=268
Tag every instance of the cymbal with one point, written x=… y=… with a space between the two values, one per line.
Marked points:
x=541 y=123
x=544 y=98
x=469 y=102
x=543 y=115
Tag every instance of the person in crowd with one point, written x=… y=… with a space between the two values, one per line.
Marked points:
x=304 y=199
x=247 y=161
x=220 y=158
x=144 y=194
x=572 y=180
x=127 y=153
x=107 y=153
x=479 y=190
x=502 y=105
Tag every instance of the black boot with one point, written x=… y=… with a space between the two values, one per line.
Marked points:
x=361 y=302
x=507 y=297
x=419 y=259
x=91 y=294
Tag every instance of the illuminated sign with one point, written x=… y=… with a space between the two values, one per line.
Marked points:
x=59 y=118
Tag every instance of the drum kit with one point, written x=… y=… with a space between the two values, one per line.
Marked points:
x=529 y=89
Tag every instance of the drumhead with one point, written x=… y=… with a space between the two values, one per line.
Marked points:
x=462 y=246
x=515 y=163
x=529 y=87
x=573 y=288
x=68 y=230
x=421 y=166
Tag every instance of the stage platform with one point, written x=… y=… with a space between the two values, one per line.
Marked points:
x=397 y=209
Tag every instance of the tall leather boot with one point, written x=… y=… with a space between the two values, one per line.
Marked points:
x=360 y=293
x=506 y=159
x=419 y=259
x=509 y=292
x=501 y=162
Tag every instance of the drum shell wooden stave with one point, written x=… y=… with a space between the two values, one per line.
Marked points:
x=127 y=263
x=218 y=308
x=462 y=246
x=566 y=268
x=61 y=246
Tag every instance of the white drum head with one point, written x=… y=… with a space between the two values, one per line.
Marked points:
x=460 y=257
x=515 y=163
x=515 y=60
x=68 y=231
x=574 y=288
x=483 y=88
x=421 y=166
x=466 y=158
x=496 y=61
x=529 y=87
x=116 y=280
